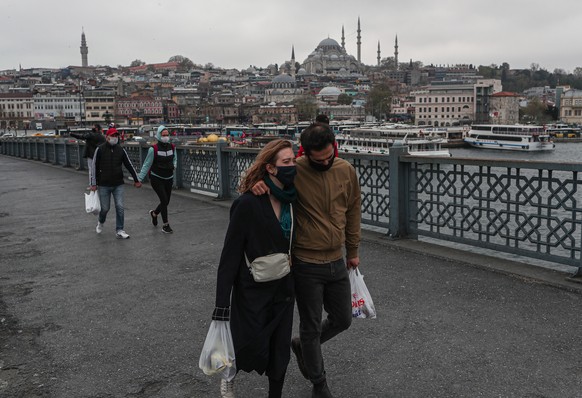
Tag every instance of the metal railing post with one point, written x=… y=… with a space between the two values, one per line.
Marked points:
x=178 y=171
x=399 y=194
x=222 y=163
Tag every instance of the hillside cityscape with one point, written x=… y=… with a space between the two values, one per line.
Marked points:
x=329 y=81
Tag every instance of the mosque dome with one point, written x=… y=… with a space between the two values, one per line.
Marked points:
x=329 y=43
x=283 y=78
x=330 y=90
x=301 y=71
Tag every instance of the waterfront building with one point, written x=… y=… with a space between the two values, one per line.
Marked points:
x=504 y=108
x=142 y=108
x=16 y=110
x=571 y=107
x=484 y=89
x=444 y=105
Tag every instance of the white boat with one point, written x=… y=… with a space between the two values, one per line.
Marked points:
x=417 y=146
x=516 y=137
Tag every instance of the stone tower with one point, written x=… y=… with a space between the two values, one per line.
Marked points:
x=293 y=60
x=84 y=51
x=396 y=53
x=359 y=42
x=343 y=38
x=378 y=52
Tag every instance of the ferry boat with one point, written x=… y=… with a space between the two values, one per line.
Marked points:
x=417 y=145
x=516 y=137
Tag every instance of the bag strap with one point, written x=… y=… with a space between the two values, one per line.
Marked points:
x=291 y=232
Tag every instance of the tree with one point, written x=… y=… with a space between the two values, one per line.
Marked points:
x=344 y=99
x=536 y=112
x=378 y=101
x=306 y=107
x=184 y=63
x=137 y=62
x=578 y=71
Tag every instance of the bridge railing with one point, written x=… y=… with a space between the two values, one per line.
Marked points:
x=532 y=209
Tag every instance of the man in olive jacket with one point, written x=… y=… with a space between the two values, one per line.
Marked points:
x=328 y=220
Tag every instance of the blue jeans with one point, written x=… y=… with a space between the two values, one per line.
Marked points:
x=105 y=199
x=320 y=286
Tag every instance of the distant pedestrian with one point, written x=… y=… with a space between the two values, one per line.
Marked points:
x=160 y=163
x=108 y=177
x=92 y=139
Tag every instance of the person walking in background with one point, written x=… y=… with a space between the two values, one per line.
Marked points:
x=328 y=219
x=108 y=178
x=160 y=163
x=92 y=139
x=260 y=313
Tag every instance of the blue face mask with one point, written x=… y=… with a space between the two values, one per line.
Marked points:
x=286 y=174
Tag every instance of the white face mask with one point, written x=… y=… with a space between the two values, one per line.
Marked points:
x=165 y=139
x=113 y=140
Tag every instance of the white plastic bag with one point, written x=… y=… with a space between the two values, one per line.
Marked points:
x=92 y=204
x=217 y=356
x=362 y=304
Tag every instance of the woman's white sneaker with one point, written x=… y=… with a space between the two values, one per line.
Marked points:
x=99 y=227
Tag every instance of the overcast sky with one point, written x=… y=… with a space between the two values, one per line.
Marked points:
x=239 y=33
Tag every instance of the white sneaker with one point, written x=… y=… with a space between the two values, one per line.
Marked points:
x=99 y=227
x=122 y=235
x=226 y=388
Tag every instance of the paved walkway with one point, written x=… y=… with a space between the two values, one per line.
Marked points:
x=90 y=316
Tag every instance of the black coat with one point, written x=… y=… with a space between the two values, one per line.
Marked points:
x=261 y=312
x=108 y=160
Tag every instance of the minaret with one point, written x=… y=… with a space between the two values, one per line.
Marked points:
x=396 y=53
x=378 y=52
x=359 y=42
x=343 y=38
x=293 y=60
x=84 y=50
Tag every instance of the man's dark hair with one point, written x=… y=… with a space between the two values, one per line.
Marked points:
x=97 y=127
x=322 y=119
x=316 y=137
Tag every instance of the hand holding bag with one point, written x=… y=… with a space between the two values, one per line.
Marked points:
x=217 y=356
x=362 y=304
x=273 y=266
x=92 y=204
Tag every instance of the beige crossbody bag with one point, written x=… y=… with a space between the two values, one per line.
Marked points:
x=273 y=266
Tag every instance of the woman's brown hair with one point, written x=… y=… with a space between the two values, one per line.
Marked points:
x=257 y=171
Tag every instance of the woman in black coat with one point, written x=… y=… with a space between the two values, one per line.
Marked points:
x=260 y=313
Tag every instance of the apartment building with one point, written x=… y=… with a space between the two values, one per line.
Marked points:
x=571 y=107
x=16 y=110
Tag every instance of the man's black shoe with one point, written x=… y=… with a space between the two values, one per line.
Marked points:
x=296 y=347
x=321 y=390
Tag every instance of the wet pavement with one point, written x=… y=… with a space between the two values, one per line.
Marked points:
x=83 y=315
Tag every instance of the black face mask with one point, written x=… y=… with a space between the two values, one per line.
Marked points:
x=286 y=174
x=321 y=166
